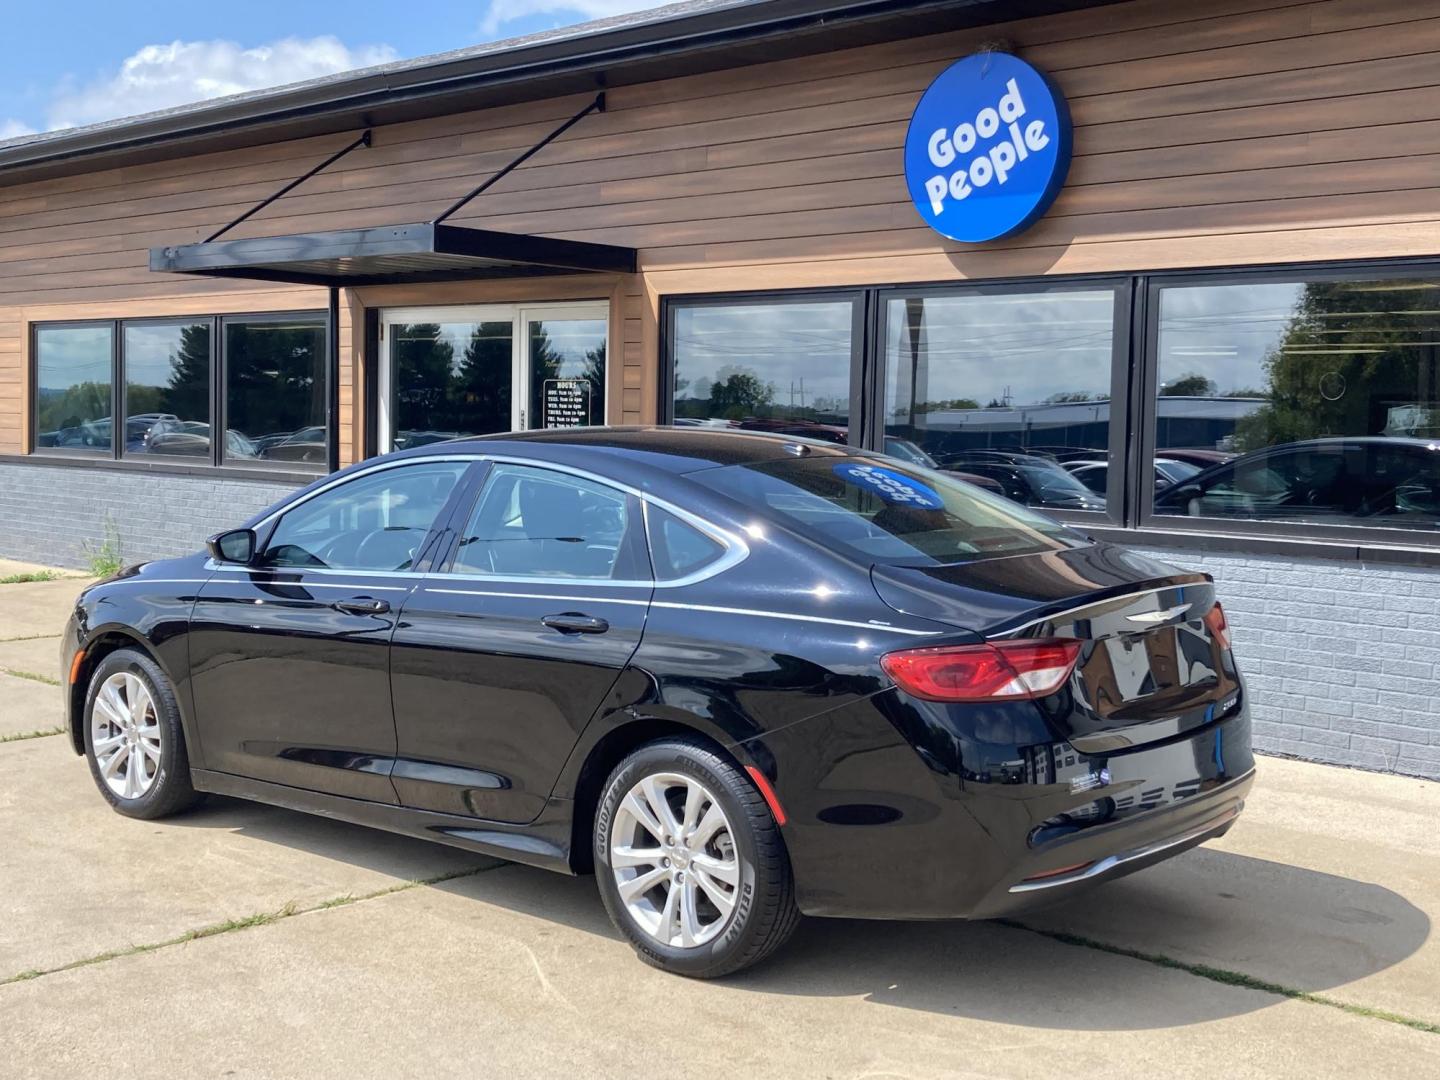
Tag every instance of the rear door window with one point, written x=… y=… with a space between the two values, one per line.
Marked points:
x=882 y=511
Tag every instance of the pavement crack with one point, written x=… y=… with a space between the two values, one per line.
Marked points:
x=28 y=637
x=30 y=675
x=39 y=733
x=1228 y=978
x=262 y=918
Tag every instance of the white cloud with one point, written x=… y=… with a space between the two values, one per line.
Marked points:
x=163 y=76
x=13 y=129
x=501 y=12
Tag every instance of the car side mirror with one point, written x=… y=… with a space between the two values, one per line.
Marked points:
x=235 y=546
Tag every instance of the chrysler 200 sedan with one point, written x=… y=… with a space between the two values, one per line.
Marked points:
x=738 y=677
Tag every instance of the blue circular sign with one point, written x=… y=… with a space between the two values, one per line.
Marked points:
x=894 y=487
x=988 y=148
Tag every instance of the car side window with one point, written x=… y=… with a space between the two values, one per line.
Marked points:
x=677 y=548
x=375 y=522
x=535 y=522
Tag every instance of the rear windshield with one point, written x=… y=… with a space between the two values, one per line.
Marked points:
x=882 y=510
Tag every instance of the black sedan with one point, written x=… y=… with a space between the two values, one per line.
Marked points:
x=740 y=677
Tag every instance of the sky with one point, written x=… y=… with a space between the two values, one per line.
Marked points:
x=76 y=62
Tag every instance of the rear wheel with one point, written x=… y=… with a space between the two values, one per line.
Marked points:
x=690 y=862
x=133 y=738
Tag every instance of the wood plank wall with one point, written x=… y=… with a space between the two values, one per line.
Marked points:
x=1233 y=132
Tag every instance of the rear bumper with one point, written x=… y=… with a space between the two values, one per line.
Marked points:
x=989 y=847
x=1069 y=867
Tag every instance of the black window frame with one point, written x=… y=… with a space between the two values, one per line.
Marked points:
x=122 y=392
x=60 y=453
x=1366 y=537
x=860 y=299
x=116 y=458
x=220 y=361
x=1130 y=517
x=1120 y=378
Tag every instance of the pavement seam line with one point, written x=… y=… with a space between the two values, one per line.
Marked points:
x=34 y=676
x=39 y=733
x=1227 y=977
x=27 y=637
x=262 y=918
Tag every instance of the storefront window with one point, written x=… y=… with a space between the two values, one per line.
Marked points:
x=74 y=388
x=1309 y=401
x=567 y=372
x=167 y=389
x=275 y=393
x=781 y=366
x=1012 y=390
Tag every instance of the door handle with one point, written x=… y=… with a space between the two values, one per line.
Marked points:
x=362 y=607
x=572 y=622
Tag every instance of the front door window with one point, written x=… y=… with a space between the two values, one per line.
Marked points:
x=451 y=372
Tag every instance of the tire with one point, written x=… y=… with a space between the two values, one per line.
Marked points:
x=160 y=784
x=748 y=848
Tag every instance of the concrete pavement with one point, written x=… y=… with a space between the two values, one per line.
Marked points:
x=249 y=941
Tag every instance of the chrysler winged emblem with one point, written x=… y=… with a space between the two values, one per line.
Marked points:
x=1152 y=618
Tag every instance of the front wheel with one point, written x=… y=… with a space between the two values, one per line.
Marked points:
x=133 y=738
x=690 y=862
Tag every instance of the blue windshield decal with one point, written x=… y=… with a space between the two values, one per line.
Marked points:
x=894 y=487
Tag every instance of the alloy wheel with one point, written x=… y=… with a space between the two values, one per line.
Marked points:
x=673 y=855
x=125 y=735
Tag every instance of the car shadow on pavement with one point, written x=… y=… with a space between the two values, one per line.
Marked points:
x=1287 y=925
x=1282 y=924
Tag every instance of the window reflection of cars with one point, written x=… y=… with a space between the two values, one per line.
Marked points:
x=307 y=445
x=192 y=439
x=1028 y=479
x=1096 y=474
x=1369 y=477
x=906 y=450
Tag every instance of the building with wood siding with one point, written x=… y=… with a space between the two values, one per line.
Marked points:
x=1240 y=266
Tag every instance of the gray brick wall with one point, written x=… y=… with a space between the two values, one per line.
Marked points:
x=49 y=513
x=1342 y=659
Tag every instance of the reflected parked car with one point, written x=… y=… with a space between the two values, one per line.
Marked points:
x=192 y=439
x=307 y=445
x=737 y=683
x=1392 y=479
x=1202 y=459
x=1096 y=474
x=1028 y=479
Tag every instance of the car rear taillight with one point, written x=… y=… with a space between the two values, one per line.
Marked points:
x=1218 y=627
x=1000 y=671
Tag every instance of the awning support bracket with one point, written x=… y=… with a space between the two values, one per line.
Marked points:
x=363 y=140
x=598 y=105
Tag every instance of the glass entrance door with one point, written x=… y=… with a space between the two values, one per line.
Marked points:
x=565 y=362
x=450 y=372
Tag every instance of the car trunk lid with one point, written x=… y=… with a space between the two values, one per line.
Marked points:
x=1151 y=666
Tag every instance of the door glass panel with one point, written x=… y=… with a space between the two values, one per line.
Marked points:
x=449 y=379
x=375 y=522
x=567 y=372
x=537 y=523
x=782 y=367
x=1009 y=389
x=167 y=389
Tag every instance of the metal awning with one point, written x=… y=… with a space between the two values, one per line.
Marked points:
x=392 y=253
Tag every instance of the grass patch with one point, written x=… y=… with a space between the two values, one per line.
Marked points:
x=39 y=733
x=31 y=675
x=26 y=578
x=262 y=918
x=1229 y=978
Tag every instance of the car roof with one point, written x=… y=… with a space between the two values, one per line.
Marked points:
x=672 y=449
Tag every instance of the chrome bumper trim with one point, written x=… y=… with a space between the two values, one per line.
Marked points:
x=1110 y=862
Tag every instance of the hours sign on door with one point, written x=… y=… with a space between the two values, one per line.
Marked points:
x=566 y=403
